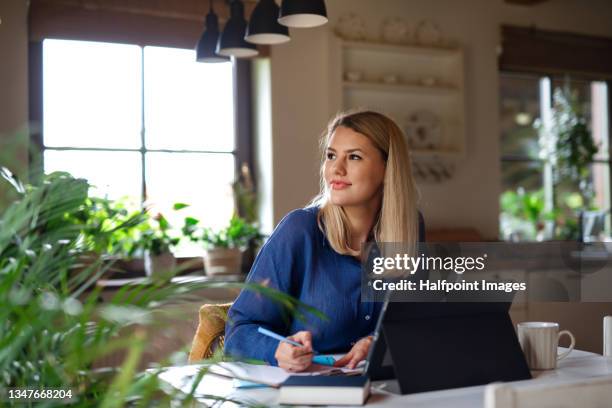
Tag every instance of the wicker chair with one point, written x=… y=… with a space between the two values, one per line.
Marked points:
x=210 y=334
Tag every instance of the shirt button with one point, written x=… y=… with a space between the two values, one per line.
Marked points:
x=367 y=317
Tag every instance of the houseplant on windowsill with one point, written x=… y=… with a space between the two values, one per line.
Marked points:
x=140 y=246
x=156 y=241
x=224 y=247
x=120 y=220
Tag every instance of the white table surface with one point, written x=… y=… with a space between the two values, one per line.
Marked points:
x=578 y=365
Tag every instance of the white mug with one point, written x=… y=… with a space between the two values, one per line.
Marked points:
x=539 y=341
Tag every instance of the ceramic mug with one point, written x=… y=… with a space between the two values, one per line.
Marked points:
x=539 y=341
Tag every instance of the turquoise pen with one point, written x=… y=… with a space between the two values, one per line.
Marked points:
x=323 y=360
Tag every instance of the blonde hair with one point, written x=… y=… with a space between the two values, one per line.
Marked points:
x=397 y=220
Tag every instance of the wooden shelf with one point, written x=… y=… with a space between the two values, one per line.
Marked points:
x=185 y=279
x=402 y=88
x=414 y=50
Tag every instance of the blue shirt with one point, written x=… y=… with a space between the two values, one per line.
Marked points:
x=298 y=260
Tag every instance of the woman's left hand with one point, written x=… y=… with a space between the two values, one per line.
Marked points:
x=358 y=352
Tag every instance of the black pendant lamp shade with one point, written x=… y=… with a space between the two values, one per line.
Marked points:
x=231 y=42
x=302 y=13
x=207 y=45
x=263 y=27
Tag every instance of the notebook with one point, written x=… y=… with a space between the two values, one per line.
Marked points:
x=323 y=390
x=272 y=376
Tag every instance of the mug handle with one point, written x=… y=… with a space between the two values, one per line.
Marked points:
x=572 y=344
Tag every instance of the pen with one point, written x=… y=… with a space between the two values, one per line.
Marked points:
x=278 y=337
x=323 y=360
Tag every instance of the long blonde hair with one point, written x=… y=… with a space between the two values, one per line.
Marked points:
x=397 y=220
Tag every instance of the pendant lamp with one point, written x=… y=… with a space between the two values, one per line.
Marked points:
x=207 y=45
x=231 y=42
x=302 y=13
x=263 y=27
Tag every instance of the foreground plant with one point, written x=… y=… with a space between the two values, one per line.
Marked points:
x=53 y=329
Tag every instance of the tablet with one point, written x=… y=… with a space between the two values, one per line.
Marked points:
x=441 y=345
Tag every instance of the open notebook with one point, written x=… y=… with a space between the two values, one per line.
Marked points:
x=273 y=376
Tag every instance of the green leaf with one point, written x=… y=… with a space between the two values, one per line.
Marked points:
x=190 y=221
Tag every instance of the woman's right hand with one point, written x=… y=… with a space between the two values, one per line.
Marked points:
x=293 y=358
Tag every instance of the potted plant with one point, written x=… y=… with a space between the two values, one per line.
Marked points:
x=246 y=207
x=223 y=248
x=121 y=220
x=156 y=241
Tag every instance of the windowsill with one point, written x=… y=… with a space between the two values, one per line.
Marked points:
x=133 y=272
x=111 y=284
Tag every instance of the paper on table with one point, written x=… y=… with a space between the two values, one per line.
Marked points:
x=607 y=336
x=271 y=375
x=263 y=374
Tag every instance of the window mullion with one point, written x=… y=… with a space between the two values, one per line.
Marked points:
x=550 y=144
x=143 y=170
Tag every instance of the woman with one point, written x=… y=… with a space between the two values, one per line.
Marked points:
x=367 y=193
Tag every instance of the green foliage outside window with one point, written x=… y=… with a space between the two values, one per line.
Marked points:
x=568 y=147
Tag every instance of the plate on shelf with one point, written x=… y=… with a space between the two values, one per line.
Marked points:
x=423 y=130
x=353 y=76
x=428 y=33
x=351 y=27
x=395 y=30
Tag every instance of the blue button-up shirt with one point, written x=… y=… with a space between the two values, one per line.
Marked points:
x=298 y=260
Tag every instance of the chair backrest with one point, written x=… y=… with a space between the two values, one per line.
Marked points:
x=210 y=334
x=586 y=392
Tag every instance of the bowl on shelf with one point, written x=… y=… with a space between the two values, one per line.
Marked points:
x=428 y=81
x=351 y=27
x=353 y=76
x=428 y=34
x=395 y=30
x=390 y=79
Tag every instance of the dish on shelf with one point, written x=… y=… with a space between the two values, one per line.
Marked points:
x=390 y=79
x=351 y=27
x=428 y=33
x=353 y=76
x=428 y=81
x=423 y=130
x=395 y=30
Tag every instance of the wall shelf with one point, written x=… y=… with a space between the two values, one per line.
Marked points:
x=415 y=50
x=401 y=88
x=406 y=98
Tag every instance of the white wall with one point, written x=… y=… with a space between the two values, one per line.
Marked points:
x=301 y=106
x=262 y=131
x=300 y=111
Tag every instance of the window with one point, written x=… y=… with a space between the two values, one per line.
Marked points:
x=145 y=122
x=531 y=196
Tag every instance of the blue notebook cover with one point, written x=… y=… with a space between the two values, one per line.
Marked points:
x=358 y=381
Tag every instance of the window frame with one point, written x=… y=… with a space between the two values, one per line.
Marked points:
x=518 y=158
x=243 y=146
